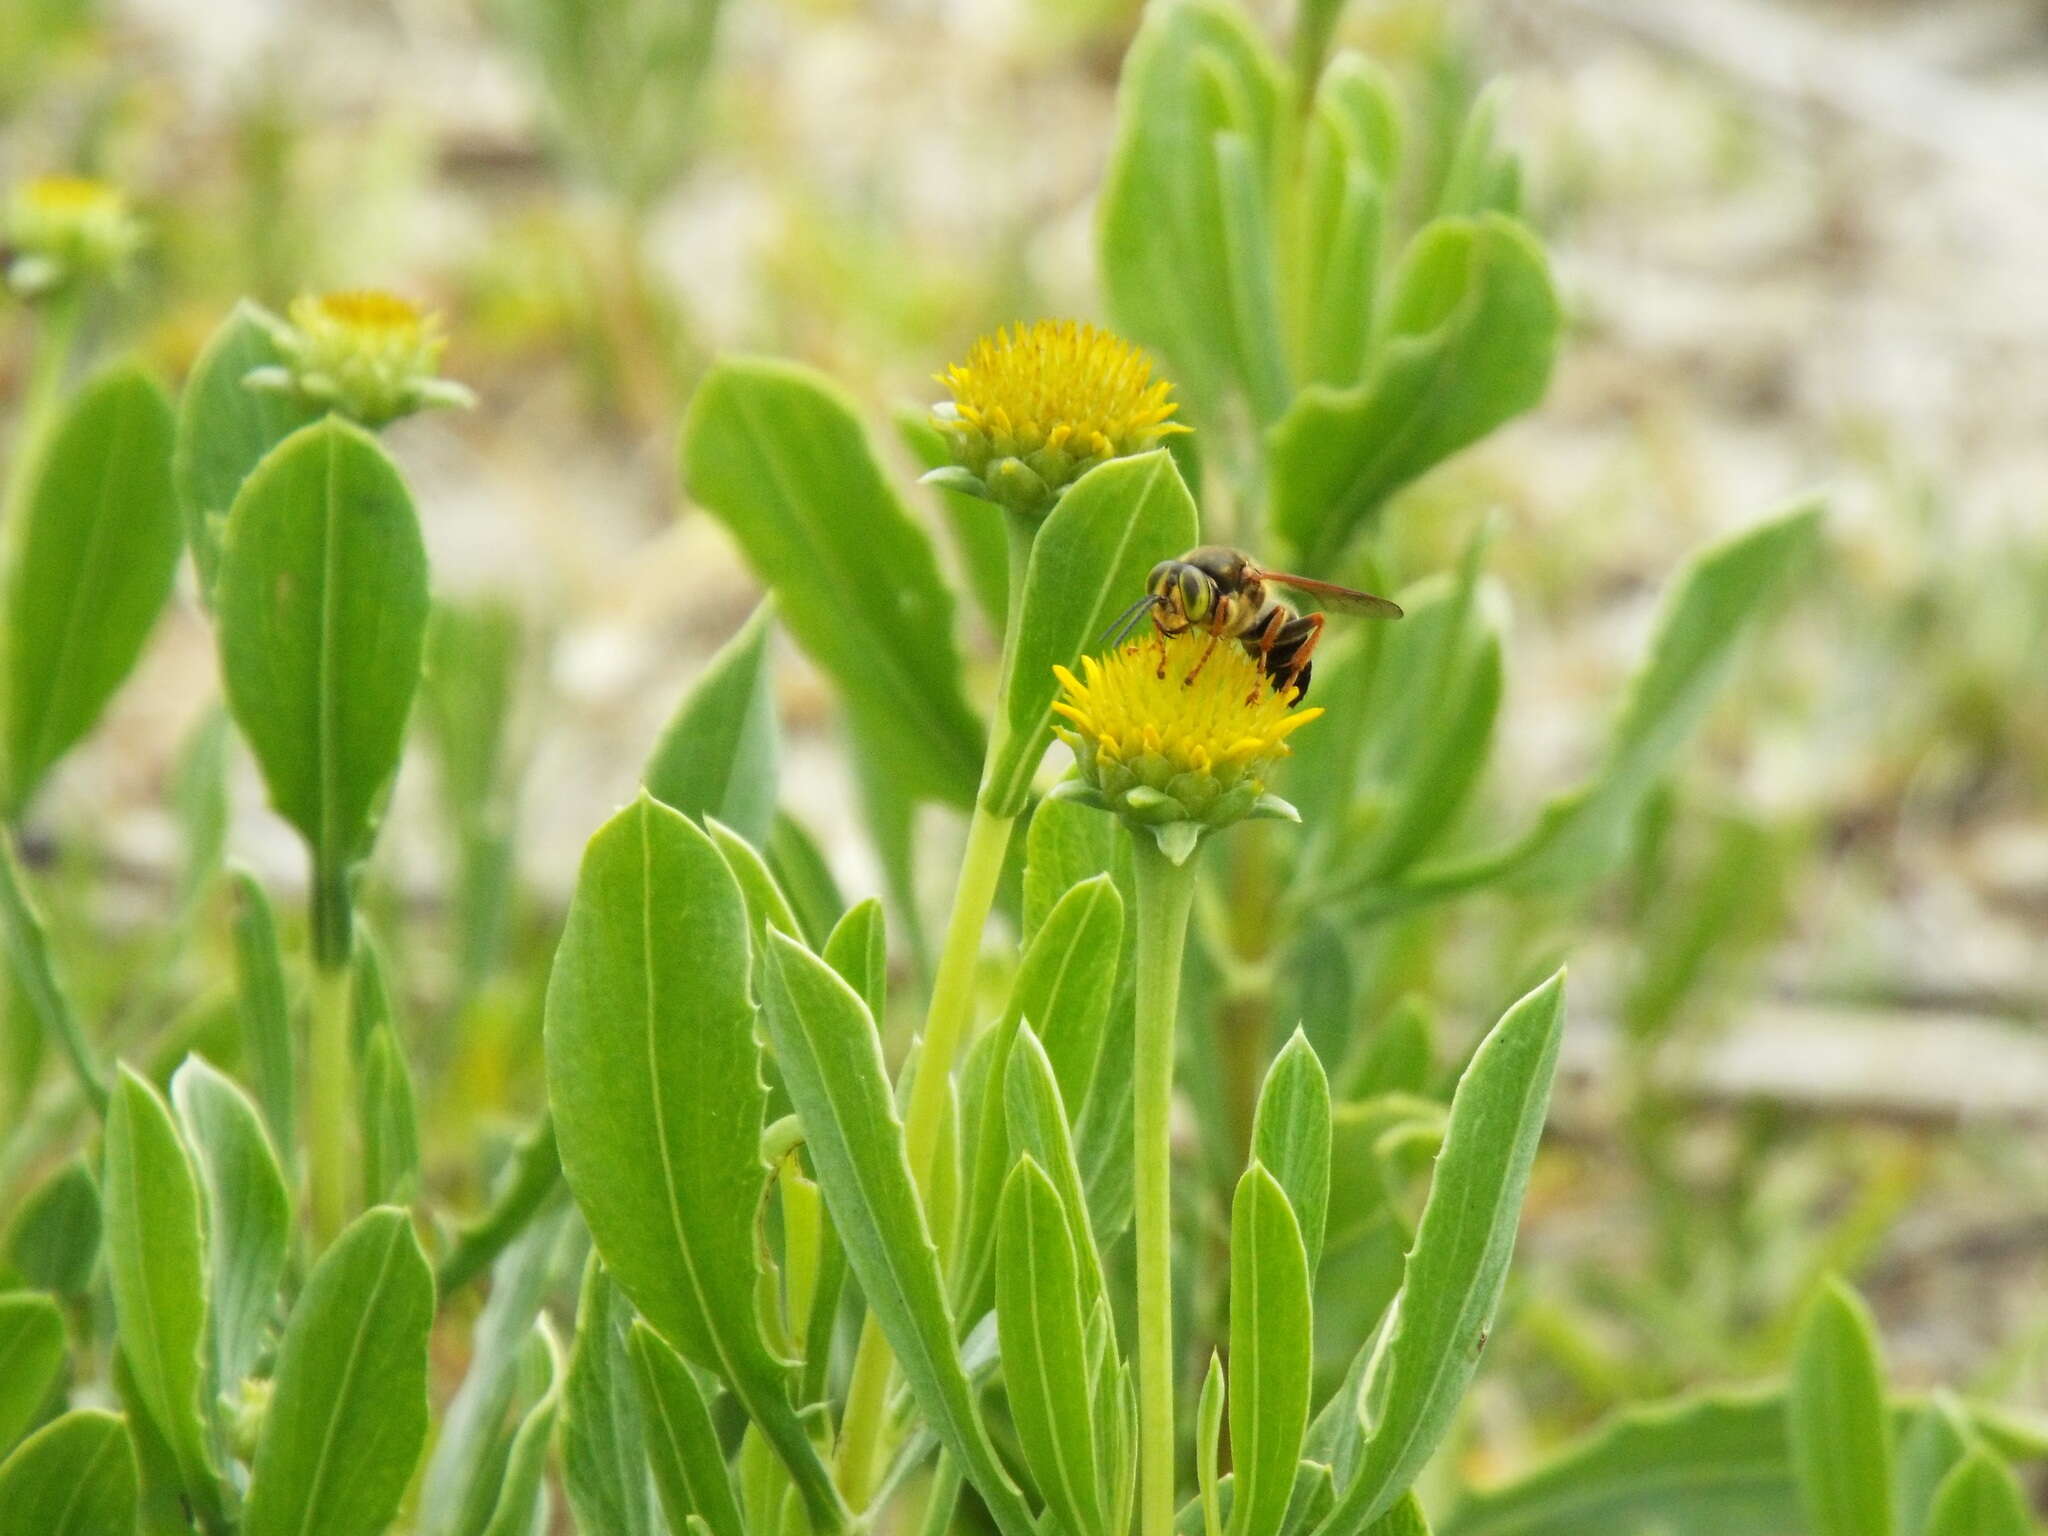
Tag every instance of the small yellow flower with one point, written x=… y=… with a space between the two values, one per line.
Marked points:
x=1037 y=407
x=64 y=229
x=1178 y=735
x=370 y=355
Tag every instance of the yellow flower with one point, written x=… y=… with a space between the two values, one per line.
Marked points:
x=1037 y=407
x=61 y=229
x=1178 y=735
x=370 y=355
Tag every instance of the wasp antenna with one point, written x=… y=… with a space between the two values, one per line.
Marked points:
x=1127 y=621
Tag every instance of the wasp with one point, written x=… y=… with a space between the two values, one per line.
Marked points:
x=1220 y=589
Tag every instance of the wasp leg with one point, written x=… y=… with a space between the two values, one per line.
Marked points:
x=1196 y=671
x=1262 y=647
x=1287 y=658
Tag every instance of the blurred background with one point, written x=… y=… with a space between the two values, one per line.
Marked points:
x=1802 y=245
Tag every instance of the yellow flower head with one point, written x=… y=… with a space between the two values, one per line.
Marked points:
x=1178 y=734
x=370 y=355
x=65 y=228
x=1036 y=407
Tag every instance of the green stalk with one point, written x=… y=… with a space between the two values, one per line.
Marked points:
x=48 y=364
x=329 y=1102
x=1165 y=894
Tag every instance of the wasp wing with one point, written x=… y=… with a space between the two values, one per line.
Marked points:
x=1333 y=597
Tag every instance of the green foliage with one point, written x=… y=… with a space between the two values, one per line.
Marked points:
x=348 y=1412
x=854 y=578
x=1271 y=1356
x=74 y=1477
x=649 y=1003
x=1841 y=1442
x=32 y=1348
x=716 y=755
x=1980 y=1498
x=90 y=570
x=322 y=605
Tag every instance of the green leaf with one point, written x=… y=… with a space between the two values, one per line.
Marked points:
x=716 y=756
x=1291 y=1138
x=391 y=1132
x=199 y=795
x=683 y=1452
x=1180 y=263
x=1462 y=1247
x=1045 y=1358
x=1036 y=1117
x=1980 y=1498
x=54 y=1239
x=1467 y=343
x=248 y=1214
x=348 y=1414
x=322 y=611
x=1582 y=833
x=521 y=1506
x=31 y=1358
x=1208 y=1431
x=777 y=455
x=1397 y=1057
x=604 y=1433
x=96 y=548
x=264 y=1007
x=858 y=949
x=1404 y=1519
x=1835 y=1419
x=1348 y=162
x=156 y=1260
x=831 y=1060
x=1272 y=1352
x=1065 y=845
x=1090 y=555
x=33 y=969
x=225 y=429
x=73 y=1477
x=800 y=869
x=1933 y=1441
x=649 y=1002
x=1699 y=1466
x=531 y=1174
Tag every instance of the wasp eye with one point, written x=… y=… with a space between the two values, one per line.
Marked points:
x=1195 y=593
x=1161 y=578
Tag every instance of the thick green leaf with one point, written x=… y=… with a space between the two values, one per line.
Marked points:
x=831 y=1060
x=1467 y=343
x=1291 y=1138
x=682 y=1446
x=225 y=429
x=1045 y=1357
x=322 y=611
x=1980 y=1498
x=1037 y=1120
x=1181 y=260
x=248 y=1214
x=522 y=1491
x=264 y=1007
x=717 y=754
x=1272 y=1352
x=1700 y=1466
x=1836 y=1421
x=1581 y=834
x=31 y=1357
x=800 y=869
x=1089 y=558
x=1208 y=1431
x=390 y=1122
x=1348 y=163
x=777 y=455
x=33 y=967
x=604 y=1433
x=648 y=1004
x=1462 y=1247
x=73 y=1477
x=97 y=546
x=53 y=1241
x=156 y=1259
x=1931 y=1443
x=348 y=1415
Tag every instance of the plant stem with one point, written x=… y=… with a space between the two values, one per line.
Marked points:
x=51 y=359
x=329 y=1098
x=952 y=1009
x=1165 y=893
